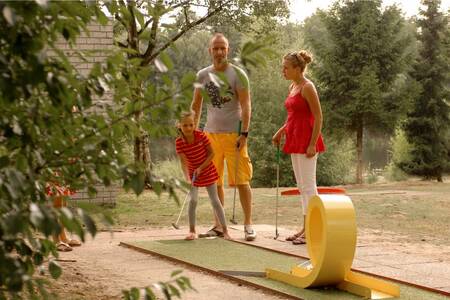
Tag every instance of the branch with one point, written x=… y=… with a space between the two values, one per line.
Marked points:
x=121 y=21
x=122 y=45
x=145 y=26
x=149 y=56
x=132 y=30
x=153 y=31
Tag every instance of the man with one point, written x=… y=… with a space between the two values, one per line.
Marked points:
x=225 y=114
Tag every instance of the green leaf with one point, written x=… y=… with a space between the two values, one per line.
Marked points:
x=165 y=58
x=54 y=269
x=134 y=293
x=174 y=291
x=137 y=183
x=90 y=224
x=149 y=295
x=175 y=273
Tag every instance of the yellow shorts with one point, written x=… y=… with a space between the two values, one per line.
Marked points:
x=224 y=147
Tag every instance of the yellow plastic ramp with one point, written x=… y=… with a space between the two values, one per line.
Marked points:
x=331 y=242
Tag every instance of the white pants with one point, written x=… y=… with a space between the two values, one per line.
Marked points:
x=305 y=176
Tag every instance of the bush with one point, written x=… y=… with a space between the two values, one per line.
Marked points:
x=401 y=150
x=334 y=166
x=170 y=168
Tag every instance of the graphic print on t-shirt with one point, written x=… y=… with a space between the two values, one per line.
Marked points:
x=214 y=94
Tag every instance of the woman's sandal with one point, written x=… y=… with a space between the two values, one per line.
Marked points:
x=63 y=247
x=294 y=237
x=299 y=240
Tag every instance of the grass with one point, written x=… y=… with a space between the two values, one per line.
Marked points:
x=415 y=211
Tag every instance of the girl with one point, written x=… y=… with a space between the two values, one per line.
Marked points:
x=195 y=152
x=302 y=130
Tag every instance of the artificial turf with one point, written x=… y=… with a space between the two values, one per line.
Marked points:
x=219 y=254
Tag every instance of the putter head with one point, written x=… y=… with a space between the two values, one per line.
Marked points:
x=175 y=226
x=233 y=221
x=276 y=235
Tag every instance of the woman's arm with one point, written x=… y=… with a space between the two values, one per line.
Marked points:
x=310 y=94
x=276 y=139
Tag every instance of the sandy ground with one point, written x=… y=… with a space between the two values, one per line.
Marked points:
x=101 y=269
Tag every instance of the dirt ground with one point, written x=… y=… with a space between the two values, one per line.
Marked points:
x=101 y=269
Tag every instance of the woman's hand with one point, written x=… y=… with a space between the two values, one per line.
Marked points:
x=276 y=139
x=311 y=151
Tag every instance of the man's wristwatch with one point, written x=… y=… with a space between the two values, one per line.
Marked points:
x=244 y=133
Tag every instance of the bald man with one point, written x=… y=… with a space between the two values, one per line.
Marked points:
x=225 y=112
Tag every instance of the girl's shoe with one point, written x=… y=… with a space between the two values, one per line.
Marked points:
x=226 y=236
x=190 y=236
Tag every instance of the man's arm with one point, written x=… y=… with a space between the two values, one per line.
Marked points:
x=246 y=107
x=196 y=105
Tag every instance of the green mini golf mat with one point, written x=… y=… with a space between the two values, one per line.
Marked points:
x=218 y=254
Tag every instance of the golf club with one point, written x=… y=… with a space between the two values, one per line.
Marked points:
x=175 y=225
x=278 y=183
x=233 y=220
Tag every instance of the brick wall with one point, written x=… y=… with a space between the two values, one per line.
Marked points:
x=94 y=46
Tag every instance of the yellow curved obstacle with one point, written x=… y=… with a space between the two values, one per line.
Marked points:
x=331 y=242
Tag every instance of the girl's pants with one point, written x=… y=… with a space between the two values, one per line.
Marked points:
x=215 y=202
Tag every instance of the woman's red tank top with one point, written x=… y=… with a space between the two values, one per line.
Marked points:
x=299 y=125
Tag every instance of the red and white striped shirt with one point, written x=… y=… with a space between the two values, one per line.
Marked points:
x=196 y=153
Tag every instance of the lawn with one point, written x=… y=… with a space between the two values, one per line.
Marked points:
x=413 y=210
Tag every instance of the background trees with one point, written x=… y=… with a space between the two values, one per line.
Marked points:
x=360 y=63
x=427 y=126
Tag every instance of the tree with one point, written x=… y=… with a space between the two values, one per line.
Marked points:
x=148 y=33
x=49 y=133
x=427 y=126
x=361 y=52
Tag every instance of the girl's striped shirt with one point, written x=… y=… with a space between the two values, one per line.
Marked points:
x=196 y=153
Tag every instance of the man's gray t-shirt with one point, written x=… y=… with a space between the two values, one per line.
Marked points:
x=223 y=111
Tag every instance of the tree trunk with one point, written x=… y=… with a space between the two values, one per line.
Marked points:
x=142 y=151
x=359 y=154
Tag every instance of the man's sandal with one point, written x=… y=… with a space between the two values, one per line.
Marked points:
x=63 y=247
x=213 y=232
x=294 y=237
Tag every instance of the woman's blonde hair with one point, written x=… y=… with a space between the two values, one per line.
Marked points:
x=299 y=58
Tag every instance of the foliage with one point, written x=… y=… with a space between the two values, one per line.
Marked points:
x=401 y=152
x=51 y=133
x=169 y=168
x=360 y=53
x=169 y=289
x=333 y=165
x=427 y=127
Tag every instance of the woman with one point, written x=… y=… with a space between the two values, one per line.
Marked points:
x=302 y=130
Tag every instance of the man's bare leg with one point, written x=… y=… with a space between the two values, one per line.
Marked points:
x=245 y=195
